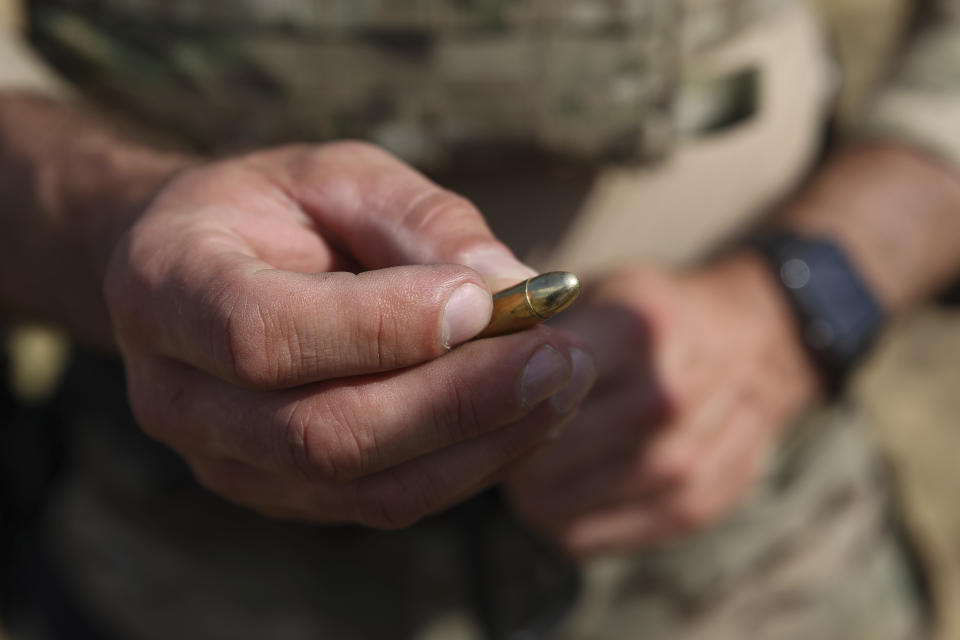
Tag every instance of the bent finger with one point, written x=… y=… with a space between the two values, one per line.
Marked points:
x=389 y=499
x=609 y=430
x=346 y=429
x=386 y=213
x=639 y=521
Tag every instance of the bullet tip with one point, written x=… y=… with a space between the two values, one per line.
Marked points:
x=551 y=293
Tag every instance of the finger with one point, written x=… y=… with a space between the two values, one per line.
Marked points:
x=609 y=430
x=638 y=521
x=386 y=213
x=390 y=499
x=269 y=493
x=631 y=322
x=618 y=337
x=619 y=473
x=675 y=452
x=263 y=328
x=735 y=461
x=351 y=428
x=398 y=497
x=631 y=427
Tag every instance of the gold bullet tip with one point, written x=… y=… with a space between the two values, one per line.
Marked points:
x=530 y=302
x=550 y=293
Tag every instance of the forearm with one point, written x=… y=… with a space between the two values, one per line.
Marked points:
x=69 y=188
x=894 y=202
x=896 y=213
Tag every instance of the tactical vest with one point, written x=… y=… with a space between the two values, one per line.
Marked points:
x=428 y=79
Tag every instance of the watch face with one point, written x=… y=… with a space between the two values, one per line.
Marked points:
x=838 y=315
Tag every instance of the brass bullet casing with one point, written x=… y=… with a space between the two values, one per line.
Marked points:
x=530 y=302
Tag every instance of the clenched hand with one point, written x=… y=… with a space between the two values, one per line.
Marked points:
x=699 y=372
x=276 y=335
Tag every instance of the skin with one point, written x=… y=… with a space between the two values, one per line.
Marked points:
x=701 y=371
x=283 y=316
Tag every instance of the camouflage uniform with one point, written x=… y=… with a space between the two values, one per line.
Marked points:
x=449 y=84
x=421 y=77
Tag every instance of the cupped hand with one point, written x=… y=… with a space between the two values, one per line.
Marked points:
x=287 y=322
x=698 y=374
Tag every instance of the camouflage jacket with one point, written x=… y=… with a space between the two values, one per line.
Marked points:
x=586 y=78
x=425 y=78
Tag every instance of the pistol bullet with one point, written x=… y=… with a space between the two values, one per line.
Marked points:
x=530 y=302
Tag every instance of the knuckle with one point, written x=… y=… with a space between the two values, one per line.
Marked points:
x=293 y=156
x=211 y=478
x=378 y=335
x=336 y=160
x=691 y=514
x=297 y=150
x=567 y=539
x=247 y=362
x=249 y=350
x=221 y=477
x=458 y=414
x=158 y=410
x=322 y=443
x=216 y=475
x=673 y=467
x=147 y=416
x=437 y=210
x=352 y=147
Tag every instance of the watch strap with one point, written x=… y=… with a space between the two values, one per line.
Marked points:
x=838 y=316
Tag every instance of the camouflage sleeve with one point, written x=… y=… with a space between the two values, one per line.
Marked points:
x=920 y=106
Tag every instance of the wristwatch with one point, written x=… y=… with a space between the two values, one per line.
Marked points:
x=838 y=316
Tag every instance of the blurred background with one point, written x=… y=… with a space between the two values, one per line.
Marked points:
x=911 y=387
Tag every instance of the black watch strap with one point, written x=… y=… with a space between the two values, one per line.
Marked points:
x=838 y=316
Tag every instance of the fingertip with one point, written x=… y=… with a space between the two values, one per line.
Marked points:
x=546 y=372
x=582 y=377
x=465 y=314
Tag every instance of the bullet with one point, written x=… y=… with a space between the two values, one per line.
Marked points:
x=530 y=302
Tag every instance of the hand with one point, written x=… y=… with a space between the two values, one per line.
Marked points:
x=296 y=387
x=698 y=373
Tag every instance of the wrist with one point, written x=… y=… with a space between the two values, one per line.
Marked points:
x=100 y=188
x=71 y=188
x=893 y=211
x=836 y=312
x=748 y=286
x=107 y=202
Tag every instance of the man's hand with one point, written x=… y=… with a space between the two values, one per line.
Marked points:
x=698 y=373
x=294 y=386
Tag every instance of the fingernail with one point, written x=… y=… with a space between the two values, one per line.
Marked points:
x=581 y=380
x=466 y=314
x=498 y=267
x=546 y=373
